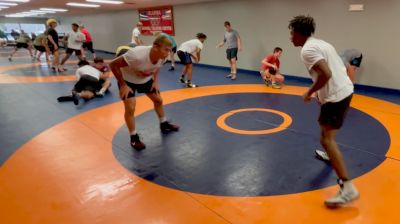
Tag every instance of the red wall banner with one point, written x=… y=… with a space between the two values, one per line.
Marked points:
x=157 y=19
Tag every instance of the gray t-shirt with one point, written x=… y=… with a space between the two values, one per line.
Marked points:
x=230 y=38
x=349 y=55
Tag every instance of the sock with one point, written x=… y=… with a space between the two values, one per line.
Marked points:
x=134 y=132
x=102 y=91
x=163 y=119
x=183 y=76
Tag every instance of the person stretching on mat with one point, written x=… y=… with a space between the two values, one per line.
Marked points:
x=188 y=50
x=138 y=71
x=334 y=91
x=23 y=41
x=40 y=44
x=270 y=69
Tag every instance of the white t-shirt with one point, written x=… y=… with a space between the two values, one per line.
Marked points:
x=138 y=59
x=87 y=70
x=191 y=46
x=135 y=33
x=73 y=37
x=339 y=85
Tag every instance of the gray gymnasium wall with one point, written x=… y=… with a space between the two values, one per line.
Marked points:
x=23 y=20
x=263 y=25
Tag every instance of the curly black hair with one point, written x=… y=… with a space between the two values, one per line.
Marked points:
x=201 y=36
x=304 y=25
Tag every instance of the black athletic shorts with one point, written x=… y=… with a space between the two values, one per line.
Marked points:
x=70 y=51
x=88 y=83
x=231 y=53
x=140 y=88
x=88 y=46
x=40 y=48
x=333 y=114
x=185 y=57
x=21 y=45
x=272 y=71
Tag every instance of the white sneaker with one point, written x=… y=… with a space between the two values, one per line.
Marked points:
x=346 y=194
x=322 y=155
x=191 y=85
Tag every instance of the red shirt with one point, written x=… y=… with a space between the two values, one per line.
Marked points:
x=272 y=59
x=87 y=35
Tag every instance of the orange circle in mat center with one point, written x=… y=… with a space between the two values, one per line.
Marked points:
x=287 y=121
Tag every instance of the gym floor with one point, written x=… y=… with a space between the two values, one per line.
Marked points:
x=244 y=154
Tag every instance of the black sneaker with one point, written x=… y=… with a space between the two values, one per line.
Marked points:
x=136 y=143
x=172 y=68
x=65 y=98
x=75 y=98
x=182 y=80
x=167 y=127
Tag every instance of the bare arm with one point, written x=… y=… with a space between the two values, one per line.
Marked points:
x=116 y=66
x=156 y=85
x=221 y=44
x=323 y=75
x=239 y=40
x=265 y=62
x=105 y=75
x=52 y=41
x=137 y=40
x=198 y=54
x=351 y=70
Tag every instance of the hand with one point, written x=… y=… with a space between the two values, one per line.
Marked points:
x=155 y=86
x=307 y=97
x=195 y=59
x=219 y=46
x=55 y=47
x=240 y=48
x=124 y=91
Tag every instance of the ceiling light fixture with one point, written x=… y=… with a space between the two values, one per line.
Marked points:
x=82 y=5
x=16 y=1
x=53 y=9
x=8 y=3
x=106 y=2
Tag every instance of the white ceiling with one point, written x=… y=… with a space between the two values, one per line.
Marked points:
x=129 y=4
